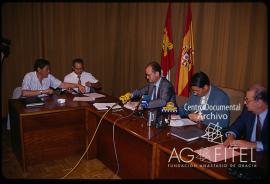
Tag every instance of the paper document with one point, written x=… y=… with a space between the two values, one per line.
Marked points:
x=83 y=99
x=174 y=116
x=217 y=153
x=181 y=122
x=105 y=106
x=131 y=105
x=94 y=95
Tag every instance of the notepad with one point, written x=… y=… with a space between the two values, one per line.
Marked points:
x=131 y=105
x=188 y=134
x=94 y=95
x=32 y=101
x=83 y=99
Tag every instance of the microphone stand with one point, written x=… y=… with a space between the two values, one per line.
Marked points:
x=138 y=112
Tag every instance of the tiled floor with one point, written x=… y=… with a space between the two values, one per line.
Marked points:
x=55 y=169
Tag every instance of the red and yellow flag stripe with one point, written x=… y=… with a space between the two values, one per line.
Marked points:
x=186 y=59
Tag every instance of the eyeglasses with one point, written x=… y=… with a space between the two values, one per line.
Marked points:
x=246 y=100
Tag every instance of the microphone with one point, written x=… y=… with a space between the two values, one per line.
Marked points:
x=143 y=103
x=125 y=98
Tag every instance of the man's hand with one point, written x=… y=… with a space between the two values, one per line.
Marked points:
x=125 y=98
x=48 y=91
x=93 y=85
x=243 y=144
x=195 y=117
x=81 y=88
x=229 y=140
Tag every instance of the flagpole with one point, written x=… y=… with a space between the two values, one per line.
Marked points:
x=168 y=77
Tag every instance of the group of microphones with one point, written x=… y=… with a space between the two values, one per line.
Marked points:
x=160 y=117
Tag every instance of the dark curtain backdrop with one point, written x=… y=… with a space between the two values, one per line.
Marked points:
x=117 y=40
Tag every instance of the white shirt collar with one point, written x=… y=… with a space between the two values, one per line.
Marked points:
x=157 y=83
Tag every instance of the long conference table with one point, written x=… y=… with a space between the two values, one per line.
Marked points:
x=54 y=131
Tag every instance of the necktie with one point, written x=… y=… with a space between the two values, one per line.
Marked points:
x=154 y=96
x=258 y=129
x=79 y=79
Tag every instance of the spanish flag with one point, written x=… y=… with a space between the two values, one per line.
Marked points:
x=186 y=59
x=167 y=55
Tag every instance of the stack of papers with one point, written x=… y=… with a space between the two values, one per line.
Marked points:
x=131 y=105
x=181 y=122
x=83 y=99
x=105 y=106
x=88 y=97
x=94 y=95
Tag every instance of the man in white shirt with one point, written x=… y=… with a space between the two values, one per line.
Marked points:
x=81 y=77
x=40 y=81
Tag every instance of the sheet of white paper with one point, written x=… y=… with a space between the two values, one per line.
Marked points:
x=83 y=99
x=174 y=116
x=104 y=106
x=131 y=105
x=94 y=95
x=217 y=153
x=181 y=122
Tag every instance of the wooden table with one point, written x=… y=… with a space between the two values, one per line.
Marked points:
x=55 y=131
x=51 y=131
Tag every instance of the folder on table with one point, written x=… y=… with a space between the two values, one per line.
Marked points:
x=32 y=101
x=188 y=133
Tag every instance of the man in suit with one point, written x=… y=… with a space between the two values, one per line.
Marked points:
x=159 y=89
x=207 y=102
x=251 y=127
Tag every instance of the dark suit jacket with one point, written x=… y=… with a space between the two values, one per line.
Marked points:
x=165 y=93
x=216 y=97
x=244 y=124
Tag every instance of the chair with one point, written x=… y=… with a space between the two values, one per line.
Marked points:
x=17 y=92
x=236 y=97
x=181 y=100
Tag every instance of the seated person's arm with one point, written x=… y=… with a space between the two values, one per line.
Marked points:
x=67 y=85
x=27 y=87
x=96 y=85
x=28 y=93
x=184 y=110
x=140 y=92
x=165 y=95
x=232 y=142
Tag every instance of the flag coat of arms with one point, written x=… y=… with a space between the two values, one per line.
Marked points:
x=167 y=58
x=186 y=59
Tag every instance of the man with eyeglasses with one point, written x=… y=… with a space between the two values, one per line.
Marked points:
x=207 y=102
x=81 y=77
x=250 y=130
